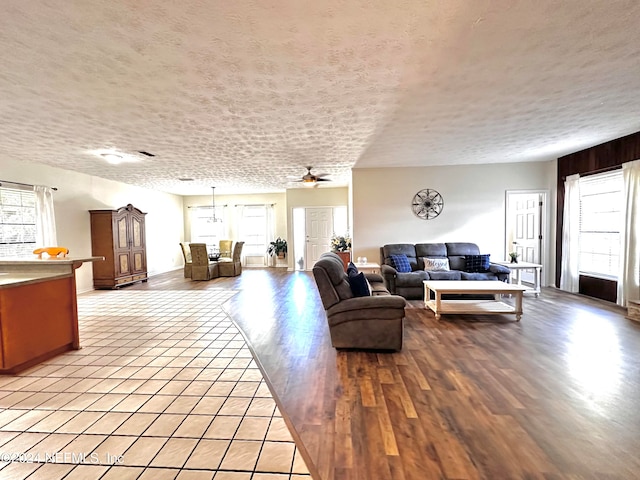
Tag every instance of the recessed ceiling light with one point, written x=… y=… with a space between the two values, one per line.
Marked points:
x=112 y=158
x=115 y=157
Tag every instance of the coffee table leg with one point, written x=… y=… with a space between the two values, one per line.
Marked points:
x=437 y=312
x=518 y=306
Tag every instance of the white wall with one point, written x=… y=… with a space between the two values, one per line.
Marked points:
x=474 y=205
x=78 y=193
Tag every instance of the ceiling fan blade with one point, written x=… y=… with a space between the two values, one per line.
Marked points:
x=323 y=180
x=321 y=175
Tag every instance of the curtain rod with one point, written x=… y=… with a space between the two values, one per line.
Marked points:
x=254 y=204
x=593 y=172
x=22 y=184
x=206 y=206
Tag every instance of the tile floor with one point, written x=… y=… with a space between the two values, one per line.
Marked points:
x=164 y=387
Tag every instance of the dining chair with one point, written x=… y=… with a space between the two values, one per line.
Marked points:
x=186 y=254
x=201 y=267
x=233 y=268
x=225 y=248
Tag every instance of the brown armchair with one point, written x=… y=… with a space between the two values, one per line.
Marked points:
x=201 y=267
x=186 y=254
x=369 y=323
x=233 y=266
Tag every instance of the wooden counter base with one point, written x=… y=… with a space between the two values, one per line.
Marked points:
x=38 y=321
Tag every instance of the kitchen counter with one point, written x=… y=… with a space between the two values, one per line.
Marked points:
x=38 y=310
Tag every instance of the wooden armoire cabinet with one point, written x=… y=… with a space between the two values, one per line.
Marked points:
x=119 y=237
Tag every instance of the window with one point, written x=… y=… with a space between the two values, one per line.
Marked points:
x=601 y=201
x=205 y=230
x=17 y=222
x=253 y=230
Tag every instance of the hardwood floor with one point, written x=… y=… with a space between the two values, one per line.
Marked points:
x=556 y=396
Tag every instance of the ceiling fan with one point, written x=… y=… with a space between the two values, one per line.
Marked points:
x=311 y=180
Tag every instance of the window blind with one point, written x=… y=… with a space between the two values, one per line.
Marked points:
x=17 y=222
x=600 y=221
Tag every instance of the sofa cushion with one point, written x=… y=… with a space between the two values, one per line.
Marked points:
x=450 y=275
x=495 y=268
x=478 y=276
x=400 y=263
x=411 y=279
x=359 y=285
x=436 y=264
x=456 y=252
x=476 y=263
x=431 y=250
x=462 y=248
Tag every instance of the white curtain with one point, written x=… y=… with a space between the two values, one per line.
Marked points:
x=45 y=217
x=239 y=231
x=569 y=276
x=271 y=230
x=629 y=277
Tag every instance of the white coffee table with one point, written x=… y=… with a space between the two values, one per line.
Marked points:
x=476 y=287
x=518 y=267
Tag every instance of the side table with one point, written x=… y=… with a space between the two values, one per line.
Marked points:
x=368 y=267
x=518 y=267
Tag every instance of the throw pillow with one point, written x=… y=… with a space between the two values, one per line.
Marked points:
x=476 y=263
x=436 y=264
x=351 y=268
x=400 y=263
x=359 y=285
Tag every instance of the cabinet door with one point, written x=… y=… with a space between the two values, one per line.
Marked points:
x=139 y=261
x=121 y=244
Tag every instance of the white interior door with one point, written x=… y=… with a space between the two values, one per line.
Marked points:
x=319 y=228
x=524 y=228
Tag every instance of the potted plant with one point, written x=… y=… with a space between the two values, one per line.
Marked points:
x=341 y=245
x=278 y=248
x=514 y=257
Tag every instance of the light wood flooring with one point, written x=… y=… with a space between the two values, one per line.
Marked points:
x=555 y=396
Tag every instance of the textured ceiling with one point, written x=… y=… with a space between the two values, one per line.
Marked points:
x=243 y=94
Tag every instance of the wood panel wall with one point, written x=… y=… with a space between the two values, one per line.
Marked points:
x=603 y=157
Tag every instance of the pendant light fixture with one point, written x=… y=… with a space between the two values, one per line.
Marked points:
x=213 y=206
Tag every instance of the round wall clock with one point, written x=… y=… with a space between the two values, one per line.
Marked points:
x=427 y=204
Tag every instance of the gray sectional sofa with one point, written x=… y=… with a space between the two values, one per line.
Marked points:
x=409 y=284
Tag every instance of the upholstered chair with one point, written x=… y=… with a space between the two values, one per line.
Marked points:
x=201 y=267
x=186 y=254
x=233 y=267
x=225 y=248
x=370 y=322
